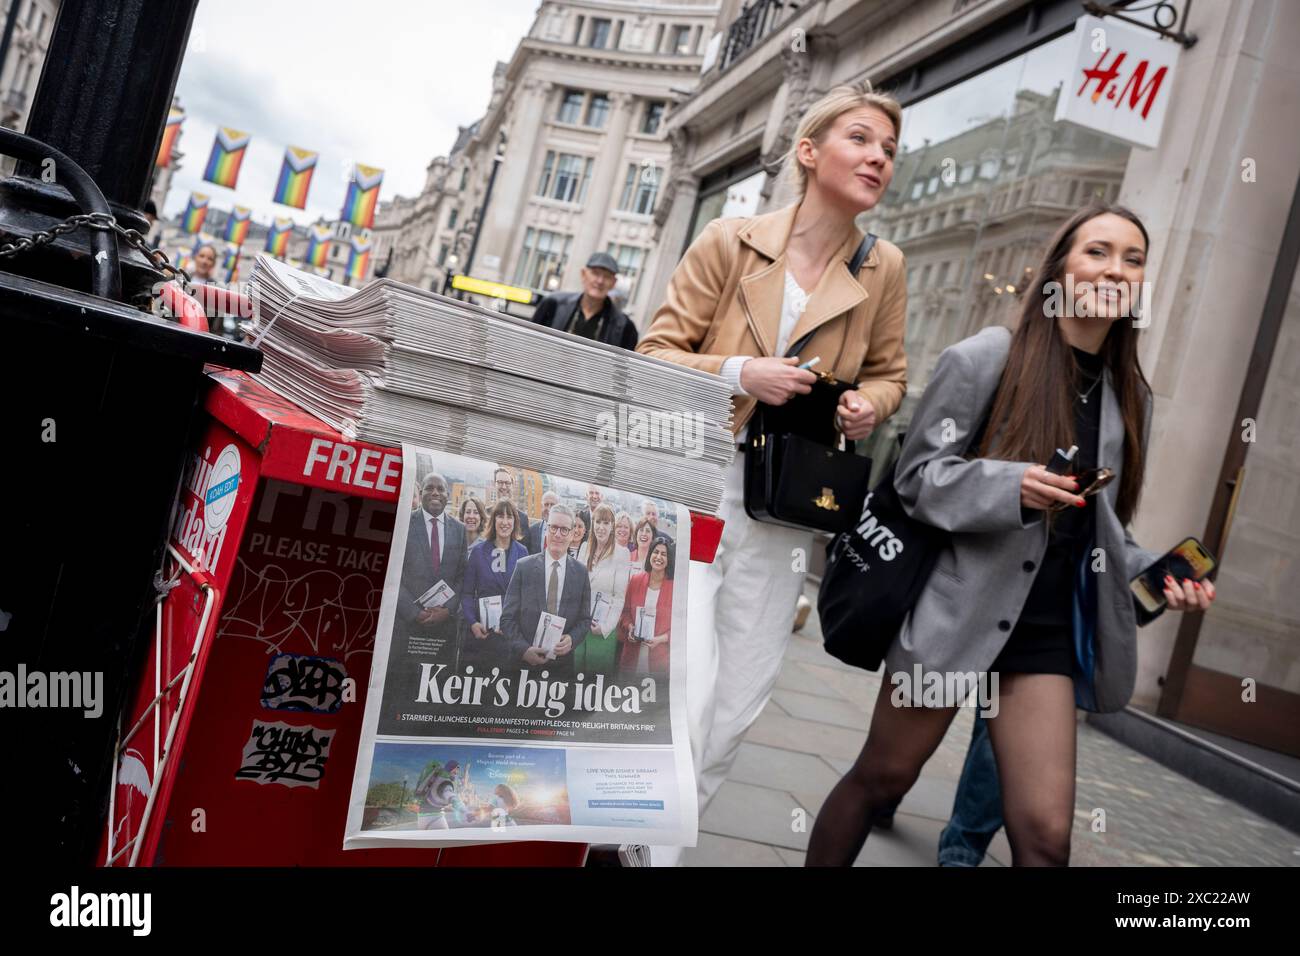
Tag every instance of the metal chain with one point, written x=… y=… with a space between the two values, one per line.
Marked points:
x=96 y=220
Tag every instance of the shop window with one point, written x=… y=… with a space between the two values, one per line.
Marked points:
x=735 y=194
x=999 y=128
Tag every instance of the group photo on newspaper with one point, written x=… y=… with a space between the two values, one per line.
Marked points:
x=524 y=669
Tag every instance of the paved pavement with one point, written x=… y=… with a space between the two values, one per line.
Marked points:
x=816 y=724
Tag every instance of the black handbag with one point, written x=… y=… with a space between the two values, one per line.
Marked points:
x=797 y=472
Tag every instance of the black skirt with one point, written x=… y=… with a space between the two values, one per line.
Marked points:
x=1037 y=649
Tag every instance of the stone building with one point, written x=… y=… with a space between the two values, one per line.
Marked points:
x=577 y=120
x=28 y=44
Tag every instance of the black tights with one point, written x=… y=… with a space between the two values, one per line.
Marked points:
x=1033 y=737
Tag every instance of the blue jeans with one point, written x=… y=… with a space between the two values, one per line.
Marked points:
x=977 y=809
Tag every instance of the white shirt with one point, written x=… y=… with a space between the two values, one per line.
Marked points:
x=793 y=304
x=610 y=577
x=442 y=531
x=643 y=655
x=559 y=564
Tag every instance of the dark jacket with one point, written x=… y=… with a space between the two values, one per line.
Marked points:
x=418 y=576
x=556 y=309
x=526 y=600
x=482 y=581
x=434 y=643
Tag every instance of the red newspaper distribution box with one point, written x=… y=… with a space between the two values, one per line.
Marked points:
x=240 y=742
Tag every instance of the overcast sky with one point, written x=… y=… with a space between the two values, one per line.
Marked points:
x=384 y=83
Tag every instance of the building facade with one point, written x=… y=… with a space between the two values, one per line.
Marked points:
x=573 y=146
x=23 y=60
x=984 y=176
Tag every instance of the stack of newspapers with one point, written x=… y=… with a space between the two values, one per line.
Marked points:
x=392 y=363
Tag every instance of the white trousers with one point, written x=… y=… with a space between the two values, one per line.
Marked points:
x=741 y=613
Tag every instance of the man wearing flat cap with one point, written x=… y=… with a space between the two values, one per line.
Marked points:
x=590 y=313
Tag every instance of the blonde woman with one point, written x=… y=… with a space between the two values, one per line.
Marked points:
x=609 y=565
x=744 y=292
x=623 y=532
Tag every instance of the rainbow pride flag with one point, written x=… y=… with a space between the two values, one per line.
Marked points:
x=227 y=154
x=170 y=133
x=359 y=257
x=295 y=177
x=363 y=196
x=318 y=244
x=277 y=239
x=196 y=210
x=237 y=224
x=230 y=262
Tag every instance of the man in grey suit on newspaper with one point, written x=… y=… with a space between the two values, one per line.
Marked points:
x=552 y=582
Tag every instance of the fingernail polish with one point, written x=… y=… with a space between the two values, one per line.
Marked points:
x=1196 y=584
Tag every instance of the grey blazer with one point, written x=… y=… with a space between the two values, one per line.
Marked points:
x=983 y=574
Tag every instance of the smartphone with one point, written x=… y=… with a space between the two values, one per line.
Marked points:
x=1189 y=559
x=1062 y=461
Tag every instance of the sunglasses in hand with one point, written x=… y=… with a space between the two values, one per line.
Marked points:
x=1090 y=482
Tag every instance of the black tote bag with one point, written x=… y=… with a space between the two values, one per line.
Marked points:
x=875 y=572
x=874 y=575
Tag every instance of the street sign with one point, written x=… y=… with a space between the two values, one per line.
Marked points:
x=495 y=290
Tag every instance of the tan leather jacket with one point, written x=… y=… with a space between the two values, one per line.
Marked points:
x=724 y=299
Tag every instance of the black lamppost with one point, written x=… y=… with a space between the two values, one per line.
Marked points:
x=84 y=511
x=487 y=198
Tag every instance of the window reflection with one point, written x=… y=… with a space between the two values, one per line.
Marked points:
x=983 y=177
x=737 y=199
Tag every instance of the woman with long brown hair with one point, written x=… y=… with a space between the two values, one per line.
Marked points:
x=473 y=515
x=1031 y=590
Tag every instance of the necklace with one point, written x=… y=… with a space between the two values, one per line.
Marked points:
x=1084 y=395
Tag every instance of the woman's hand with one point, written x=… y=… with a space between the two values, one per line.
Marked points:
x=1189 y=595
x=775 y=380
x=855 y=416
x=1041 y=489
x=478 y=630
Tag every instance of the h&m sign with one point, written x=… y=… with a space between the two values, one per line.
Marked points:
x=1120 y=81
